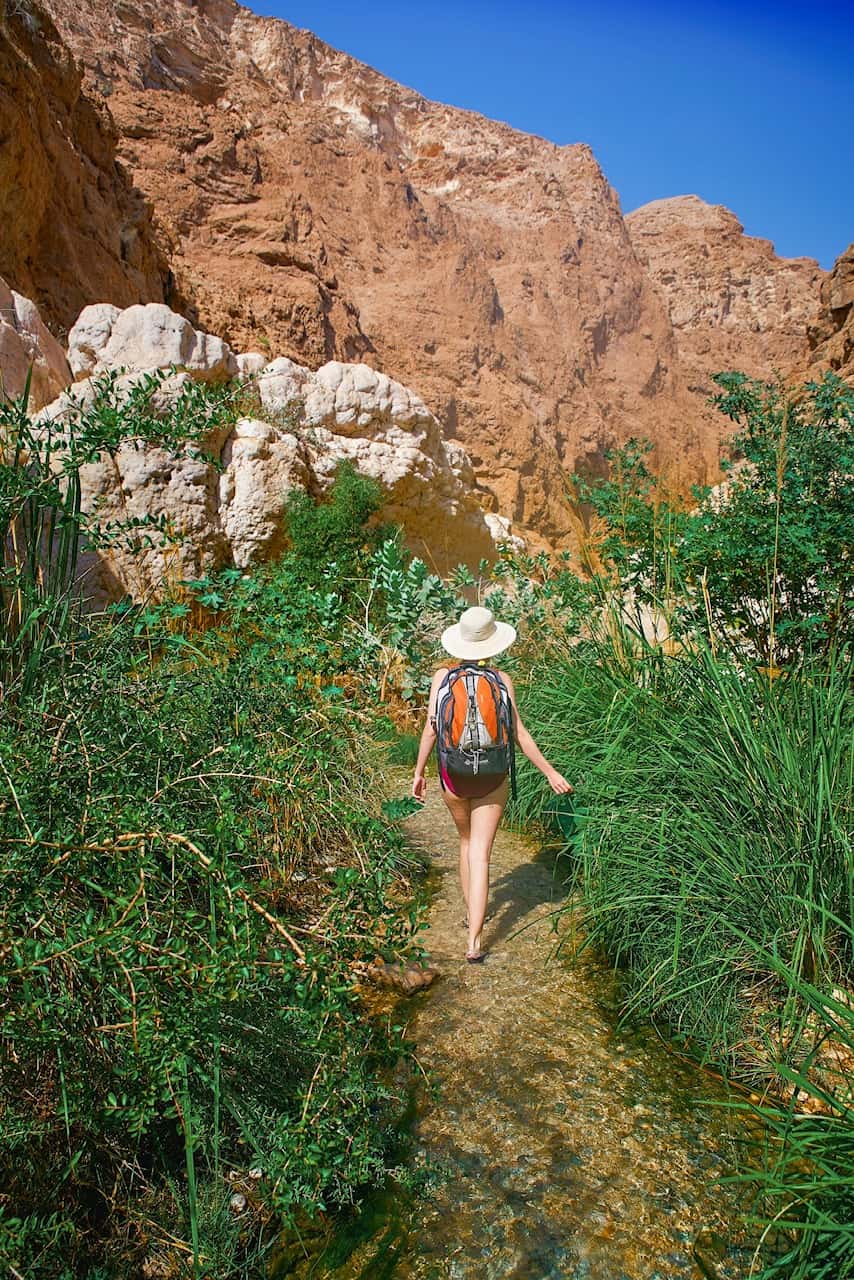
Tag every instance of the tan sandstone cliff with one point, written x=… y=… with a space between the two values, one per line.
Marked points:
x=732 y=302
x=832 y=333
x=72 y=226
x=307 y=205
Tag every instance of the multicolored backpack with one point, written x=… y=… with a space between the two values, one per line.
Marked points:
x=474 y=725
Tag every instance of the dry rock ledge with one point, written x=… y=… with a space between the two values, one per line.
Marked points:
x=296 y=425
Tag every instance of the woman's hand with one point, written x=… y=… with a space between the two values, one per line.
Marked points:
x=558 y=783
x=419 y=787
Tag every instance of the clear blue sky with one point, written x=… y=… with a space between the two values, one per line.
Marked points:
x=746 y=104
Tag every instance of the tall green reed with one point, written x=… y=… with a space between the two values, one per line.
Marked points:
x=713 y=865
x=805 y=1173
x=718 y=806
x=40 y=530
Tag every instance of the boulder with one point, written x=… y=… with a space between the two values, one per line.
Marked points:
x=146 y=337
x=262 y=462
x=144 y=482
x=291 y=427
x=89 y=336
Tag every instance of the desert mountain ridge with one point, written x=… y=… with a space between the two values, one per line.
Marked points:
x=294 y=201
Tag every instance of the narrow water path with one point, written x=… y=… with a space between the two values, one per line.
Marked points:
x=570 y=1150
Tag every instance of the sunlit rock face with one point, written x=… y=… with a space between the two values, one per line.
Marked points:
x=832 y=334
x=732 y=302
x=283 y=196
x=309 y=206
x=145 y=337
x=293 y=427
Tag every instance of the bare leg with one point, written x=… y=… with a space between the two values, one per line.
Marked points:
x=485 y=816
x=460 y=809
x=464 y=868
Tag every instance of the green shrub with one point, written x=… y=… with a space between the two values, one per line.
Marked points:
x=42 y=524
x=805 y=1173
x=709 y=844
x=710 y=849
x=718 y=815
x=192 y=865
x=770 y=564
x=195 y=868
x=330 y=539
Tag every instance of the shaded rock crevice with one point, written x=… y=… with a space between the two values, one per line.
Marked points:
x=75 y=228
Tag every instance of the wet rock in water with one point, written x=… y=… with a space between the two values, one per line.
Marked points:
x=406 y=978
x=709 y=1248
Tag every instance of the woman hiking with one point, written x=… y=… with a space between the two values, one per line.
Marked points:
x=472 y=714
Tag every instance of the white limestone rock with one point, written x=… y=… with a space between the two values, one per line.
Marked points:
x=89 y=336
x=302 y=425
x=261 y=464
x=146 y=336
x=26 y=341
x=281 y=385
x=502 y=533
x=249 y=364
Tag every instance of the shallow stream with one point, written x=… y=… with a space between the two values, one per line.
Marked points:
x=571 y=1150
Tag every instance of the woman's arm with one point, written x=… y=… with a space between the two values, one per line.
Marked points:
x=428 y=738
x=528 y=746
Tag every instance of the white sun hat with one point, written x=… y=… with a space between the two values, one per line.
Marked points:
x=477 y=635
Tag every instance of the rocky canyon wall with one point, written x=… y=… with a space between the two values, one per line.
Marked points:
x=732 y=302
x=304 y=204
x=73 y=228
x=831 y=335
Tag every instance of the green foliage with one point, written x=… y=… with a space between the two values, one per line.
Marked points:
x=718 y=808
x=196 y=863
x=779 y=555
x=642 y=524
x=42 y=524
x=806 y=1175
x=710 y=839
x=406 y=608
x=195 y=869
x=171 y=833
x=330 y=539
x=710 y=845
x=404 y=749
x=769 y=564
